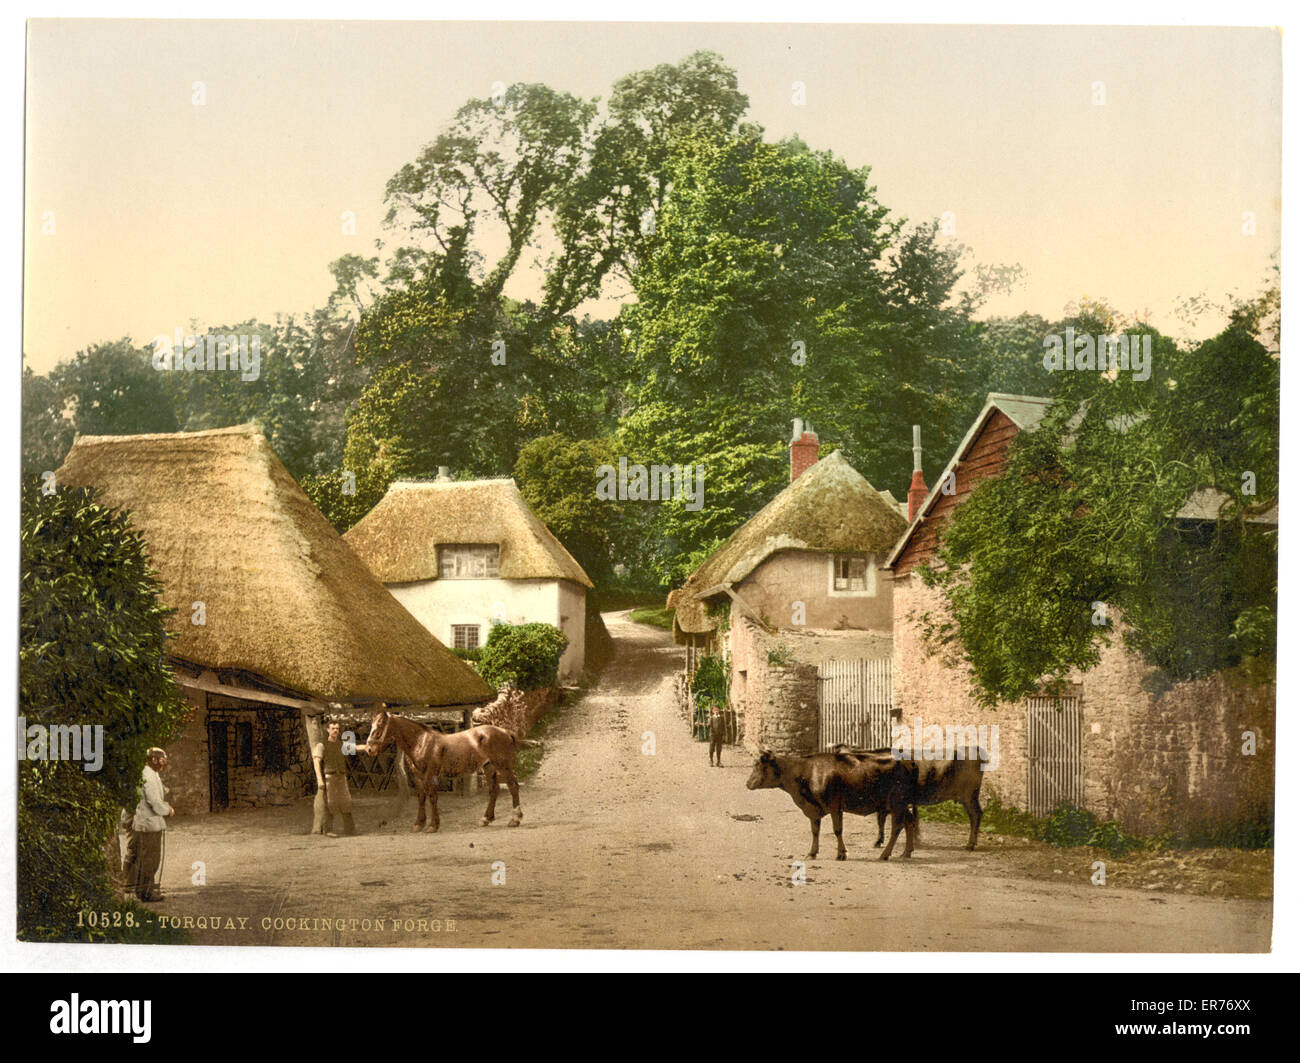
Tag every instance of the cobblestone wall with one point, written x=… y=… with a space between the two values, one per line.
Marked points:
x=776 y=701
x=517 y=710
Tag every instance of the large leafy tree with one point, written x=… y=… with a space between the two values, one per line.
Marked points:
x=113 y=389
x=460 y=374
x=306 y=379
x=557 y=477
x=92 y=651
x=47 y=431
x=1082 y=530
x=776 y=285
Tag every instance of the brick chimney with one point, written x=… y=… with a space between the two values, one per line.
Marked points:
x=803 y=449
x=917 y=491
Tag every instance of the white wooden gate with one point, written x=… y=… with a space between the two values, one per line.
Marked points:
x=855 y=698
x=1054 y=740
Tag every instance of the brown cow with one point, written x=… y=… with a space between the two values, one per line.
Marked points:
x=835 y=783
x=957 y=779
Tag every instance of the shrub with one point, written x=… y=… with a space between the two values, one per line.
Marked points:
x=1069 y=826
x=781 y=657
x=709 y=684
x=92 y=650
x=1110 y=836
x=476 y=654
x=526 y=656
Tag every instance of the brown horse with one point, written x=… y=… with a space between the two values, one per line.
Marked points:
x=431 y=754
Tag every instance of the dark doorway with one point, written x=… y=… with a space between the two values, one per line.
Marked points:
x=219 y=764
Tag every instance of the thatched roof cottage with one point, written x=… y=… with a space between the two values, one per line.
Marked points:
x=275 y=616
x=463 y=554
x=799 y=580
x=819 y=542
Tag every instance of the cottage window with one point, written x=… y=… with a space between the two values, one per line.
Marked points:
x=468 y=562
x=244 y=744
x=464 y=636
x=850 y=573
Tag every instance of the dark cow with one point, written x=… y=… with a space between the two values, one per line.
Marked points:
x=717 y=732
x=938 y=781
x=835 y=783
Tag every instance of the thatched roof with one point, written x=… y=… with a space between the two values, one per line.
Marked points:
x=830 y=508
x=285 y=599
x=399 y=539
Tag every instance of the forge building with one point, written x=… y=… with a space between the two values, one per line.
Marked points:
x=276 y=620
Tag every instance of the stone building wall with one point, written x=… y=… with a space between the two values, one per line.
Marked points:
x=1149 y=761
x=186 y=776
x=776 y=702
x=268 y=761
x=517 y=710
x=790 y=576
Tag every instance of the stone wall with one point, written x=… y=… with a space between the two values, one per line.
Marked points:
x=517 y=710
x=268 y=761
x=1150 y=761
x=777 y=703
x=186 y=776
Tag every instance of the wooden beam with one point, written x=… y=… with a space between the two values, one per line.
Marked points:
x=209 y=683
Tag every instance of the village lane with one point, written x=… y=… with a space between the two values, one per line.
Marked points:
x=631 y=840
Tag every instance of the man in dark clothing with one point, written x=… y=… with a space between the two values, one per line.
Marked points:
x=717 y=732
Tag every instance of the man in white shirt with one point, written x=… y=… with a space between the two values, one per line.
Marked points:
x=149 y=824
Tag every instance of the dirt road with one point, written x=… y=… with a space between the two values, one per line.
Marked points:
x=631 y=840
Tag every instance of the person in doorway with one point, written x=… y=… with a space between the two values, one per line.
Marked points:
x=332 y=778
x=150 y=827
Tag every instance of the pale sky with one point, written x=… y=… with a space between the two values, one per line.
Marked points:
x=164 y=211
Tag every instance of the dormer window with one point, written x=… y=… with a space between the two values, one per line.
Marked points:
x=468 y=562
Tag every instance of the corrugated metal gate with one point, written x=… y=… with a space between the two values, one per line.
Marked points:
x=855 y=699
x=1054 y=740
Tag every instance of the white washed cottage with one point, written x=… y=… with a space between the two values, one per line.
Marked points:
x=463 y=554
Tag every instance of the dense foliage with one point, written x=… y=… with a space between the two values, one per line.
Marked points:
x=1041 y=564
x=525 y=656
x=92 y=651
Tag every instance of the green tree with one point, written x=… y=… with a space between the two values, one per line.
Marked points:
x=776 y=285
x=47 y=433
x=557 y=476
x=114 y=390
x=92 y=651
x=1085 y=515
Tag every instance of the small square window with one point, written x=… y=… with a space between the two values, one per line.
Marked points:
x=464 y=636
x=850 y=573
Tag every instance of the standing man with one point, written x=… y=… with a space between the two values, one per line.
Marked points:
x=332 y=779
x=150 y=825
x=717 y=733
